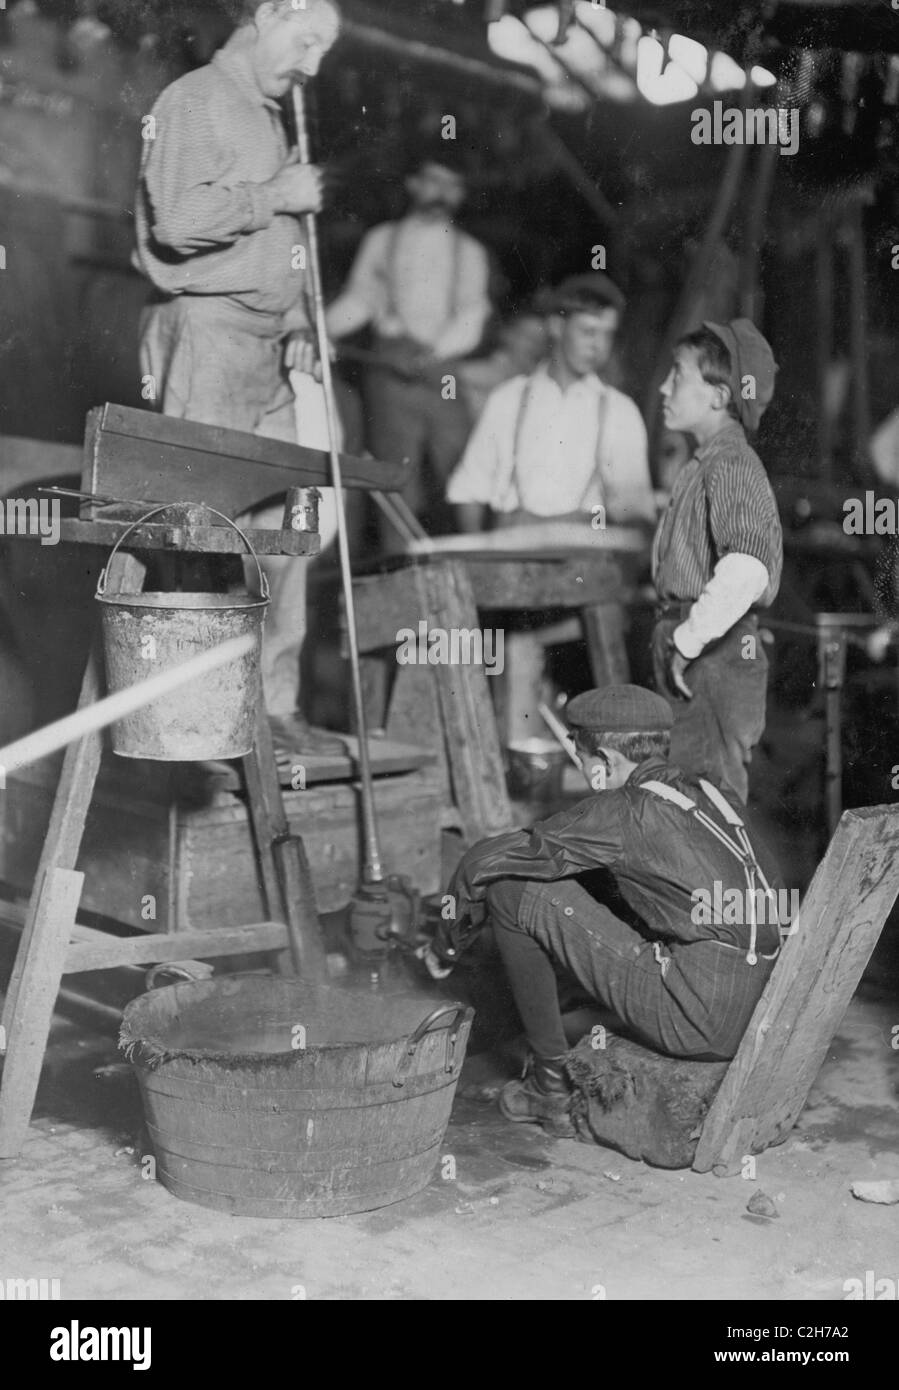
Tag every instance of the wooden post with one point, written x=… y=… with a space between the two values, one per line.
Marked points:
x=766 y=1085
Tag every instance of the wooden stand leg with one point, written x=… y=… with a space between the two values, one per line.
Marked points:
x=604 y=632
x=37 y=971
x=284 y=867
x=26 y=1042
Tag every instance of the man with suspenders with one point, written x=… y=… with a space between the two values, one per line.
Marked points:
x=560 y=444
x=625 y=891
x=422 y=284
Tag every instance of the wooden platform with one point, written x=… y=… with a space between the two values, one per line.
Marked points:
x=191 y=849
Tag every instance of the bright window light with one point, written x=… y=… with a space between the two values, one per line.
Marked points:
x=725 y=74
x=598 y=19
x=693 y=57
x=762 y=77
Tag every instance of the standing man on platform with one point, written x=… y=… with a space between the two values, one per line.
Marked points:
x=423 y=286
x=717 y=555
x=559 y=444
x=219 y=236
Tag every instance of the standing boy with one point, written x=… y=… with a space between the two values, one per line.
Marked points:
x=718 y=554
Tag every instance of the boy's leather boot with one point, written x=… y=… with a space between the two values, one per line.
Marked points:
x=542 y=1096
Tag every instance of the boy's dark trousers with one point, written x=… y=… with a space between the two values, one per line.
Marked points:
x=715 y=732
x=686 y=999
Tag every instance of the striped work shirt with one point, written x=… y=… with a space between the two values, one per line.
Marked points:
x=722 y=504
x=204 y=222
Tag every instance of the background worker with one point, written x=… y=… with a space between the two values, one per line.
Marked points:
x=558 y=443
x=217 y=224
x=422 y=284
x=681 y=981
x=718 y=553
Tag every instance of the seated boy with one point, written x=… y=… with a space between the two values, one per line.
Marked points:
x=648 y=938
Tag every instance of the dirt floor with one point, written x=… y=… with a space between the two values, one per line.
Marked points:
x=525 y=1217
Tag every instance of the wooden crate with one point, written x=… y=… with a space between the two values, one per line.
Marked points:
x=198 y=863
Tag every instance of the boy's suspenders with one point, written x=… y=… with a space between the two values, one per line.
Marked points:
x=738 y=846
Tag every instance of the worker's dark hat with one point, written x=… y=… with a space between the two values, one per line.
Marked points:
x=578 y=293
x=624 y=709
x=752 y=368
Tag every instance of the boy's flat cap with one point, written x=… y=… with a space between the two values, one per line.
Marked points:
x=750 y=355
x=620 y=709
x=592 y=286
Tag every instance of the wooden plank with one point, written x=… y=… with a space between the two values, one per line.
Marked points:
x=142 y=455
x=28 y=1025
x=385 y=603
x=103 y=951
x=550 y=583
x=469 y=723
x=199 y=540
x=791 y=1029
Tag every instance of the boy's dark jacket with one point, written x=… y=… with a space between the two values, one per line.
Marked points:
x=658 y=853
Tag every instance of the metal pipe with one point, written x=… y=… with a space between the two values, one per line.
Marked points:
x=479 y=68
x=372 y=871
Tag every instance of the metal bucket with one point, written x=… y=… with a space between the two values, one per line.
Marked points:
x=213 y=716
x=536 y=766
x=263 y=1097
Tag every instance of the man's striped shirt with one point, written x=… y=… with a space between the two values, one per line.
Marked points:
x=722 y=504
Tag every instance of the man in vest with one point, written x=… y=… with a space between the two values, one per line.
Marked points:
x=560 y=444
x=657 y=893
x=217 y=220
x=423 y=286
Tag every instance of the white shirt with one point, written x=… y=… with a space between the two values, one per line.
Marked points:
x=576 y=448
x=417 y=278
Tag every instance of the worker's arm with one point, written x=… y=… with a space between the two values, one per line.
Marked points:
x=194 y=205
x=474 y=484
x=363 y=294
x=465 y=329
x=587 y=836
x=737 y=583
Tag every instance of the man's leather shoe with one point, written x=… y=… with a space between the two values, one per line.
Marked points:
x=294 y=737
x=542 y=1097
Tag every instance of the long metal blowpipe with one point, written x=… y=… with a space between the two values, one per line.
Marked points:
x=372 y=872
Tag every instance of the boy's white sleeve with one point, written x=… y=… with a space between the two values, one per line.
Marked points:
x=737 y=583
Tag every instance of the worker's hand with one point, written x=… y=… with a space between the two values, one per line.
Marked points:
x=677 y=665
x=301 y=353
x=432 y=964
x=297 y=188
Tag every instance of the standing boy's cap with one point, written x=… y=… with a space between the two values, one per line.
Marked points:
x=750 y=355
x=620 y=709
x=579 y=293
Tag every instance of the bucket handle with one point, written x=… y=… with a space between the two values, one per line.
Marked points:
x=462 y=1015
x=167 y=506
